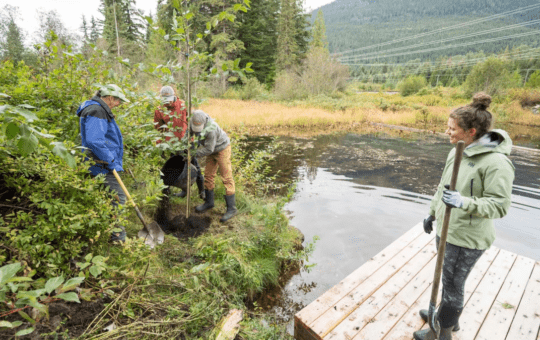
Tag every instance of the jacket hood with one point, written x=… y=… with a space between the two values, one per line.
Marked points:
x=494 y=141
x=95 y=100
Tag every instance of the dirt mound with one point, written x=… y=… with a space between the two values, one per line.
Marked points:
x=172 y=219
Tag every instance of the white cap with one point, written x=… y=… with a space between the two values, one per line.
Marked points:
x=167 y=94
x=197 y=121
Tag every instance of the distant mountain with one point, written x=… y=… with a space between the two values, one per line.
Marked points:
x=353 y=24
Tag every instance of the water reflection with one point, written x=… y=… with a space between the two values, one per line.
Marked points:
x=360 y=193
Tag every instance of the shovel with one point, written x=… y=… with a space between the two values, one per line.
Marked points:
x=152 y=234
x=433 y=323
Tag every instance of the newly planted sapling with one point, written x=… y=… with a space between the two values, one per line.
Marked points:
x=189 y=40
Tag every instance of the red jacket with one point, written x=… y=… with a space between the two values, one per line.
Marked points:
x=179 y=116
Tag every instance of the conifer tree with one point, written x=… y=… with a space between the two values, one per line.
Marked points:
x=94 y=30
x=319 y=33
x=287 y=47
x=258 y=31
x=84 y=29
x=11 y=35
x=293 y=36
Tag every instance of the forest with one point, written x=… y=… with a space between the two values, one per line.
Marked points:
x=359 y=24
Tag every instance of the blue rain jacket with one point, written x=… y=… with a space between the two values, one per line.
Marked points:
x=101 y=136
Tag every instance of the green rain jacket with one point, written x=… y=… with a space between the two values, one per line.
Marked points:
x=485 y=183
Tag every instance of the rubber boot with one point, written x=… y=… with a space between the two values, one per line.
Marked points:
x=231 y=208
x=119 y=236
x=181 y=194
x=428 y=334
x=424 y=316
x=208 y=202
x=200 y=186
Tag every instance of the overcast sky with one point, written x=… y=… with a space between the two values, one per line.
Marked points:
x=71 y=11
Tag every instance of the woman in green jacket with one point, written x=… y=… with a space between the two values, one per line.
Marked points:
x=483 y=193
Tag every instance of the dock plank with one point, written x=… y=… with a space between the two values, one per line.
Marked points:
x=309 y=314
x=383 y=322
x=340 y=311
x=368 y=311
x=412 y=322
x=499 y=319
x=526 y=323
x=483 y=298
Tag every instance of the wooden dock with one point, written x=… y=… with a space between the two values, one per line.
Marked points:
x=381 y=299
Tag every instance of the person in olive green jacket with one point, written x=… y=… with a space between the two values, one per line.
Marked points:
x=483 y=193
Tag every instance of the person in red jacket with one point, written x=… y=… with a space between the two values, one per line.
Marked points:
x=175 y=109
x=172 y=108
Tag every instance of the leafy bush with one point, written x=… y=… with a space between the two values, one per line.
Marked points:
x=534 y=80
x=252 y=89
x=61 y=212
x=491 y=76
x=526 y=97
x=411 y=85
x=288 y=86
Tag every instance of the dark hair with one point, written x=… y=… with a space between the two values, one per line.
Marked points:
x=98 y=94
x=475 y=115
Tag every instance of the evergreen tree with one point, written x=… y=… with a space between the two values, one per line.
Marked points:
x=293 y=36
x=302 y=25
x=258 y=31
x=84 y=29
x=319 y=33
x=11 y=35
x=122 y=24
x=94 y=30
x=287 y=46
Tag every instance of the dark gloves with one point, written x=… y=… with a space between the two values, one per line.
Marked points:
x=428 y=224
x=452 y=198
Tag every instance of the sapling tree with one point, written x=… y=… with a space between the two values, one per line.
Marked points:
x=190 y=41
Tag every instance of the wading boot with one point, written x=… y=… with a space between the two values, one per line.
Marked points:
x=181 y=194
x=424 y=316
x=208 y=202
x=200 y=186
x=428 y=334
x=119 y=236
x=231 y=208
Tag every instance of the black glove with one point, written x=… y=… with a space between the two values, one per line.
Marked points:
x=428 y=224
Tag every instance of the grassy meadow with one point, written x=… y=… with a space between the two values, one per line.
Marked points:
x=355 y=111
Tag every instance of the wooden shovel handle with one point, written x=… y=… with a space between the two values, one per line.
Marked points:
x=139 y=215
x=444 y=232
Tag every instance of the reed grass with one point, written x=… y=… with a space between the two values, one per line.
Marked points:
x=355 y=112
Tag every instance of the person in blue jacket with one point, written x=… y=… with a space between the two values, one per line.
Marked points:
x=102 y=140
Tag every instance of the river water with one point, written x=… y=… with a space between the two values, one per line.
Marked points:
x=359 y=193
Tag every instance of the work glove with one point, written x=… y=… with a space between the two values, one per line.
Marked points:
x=452 y=198
x=428 y=224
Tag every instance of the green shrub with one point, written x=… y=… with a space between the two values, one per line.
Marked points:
x=534 y=80
x=491 y=76
x=252 y=89
x=412 y=85
x=288 y=87
x=61 y=212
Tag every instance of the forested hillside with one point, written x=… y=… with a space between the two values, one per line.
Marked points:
x=353 y=24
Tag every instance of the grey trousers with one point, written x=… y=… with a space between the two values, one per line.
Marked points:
x=458 y=264
x=116 y=190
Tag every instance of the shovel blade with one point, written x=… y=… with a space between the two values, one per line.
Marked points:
x=433 y=322
x=154 y=235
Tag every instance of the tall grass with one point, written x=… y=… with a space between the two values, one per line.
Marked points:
x=353 y=111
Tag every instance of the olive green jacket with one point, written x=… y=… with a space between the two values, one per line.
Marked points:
x=485 y=183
